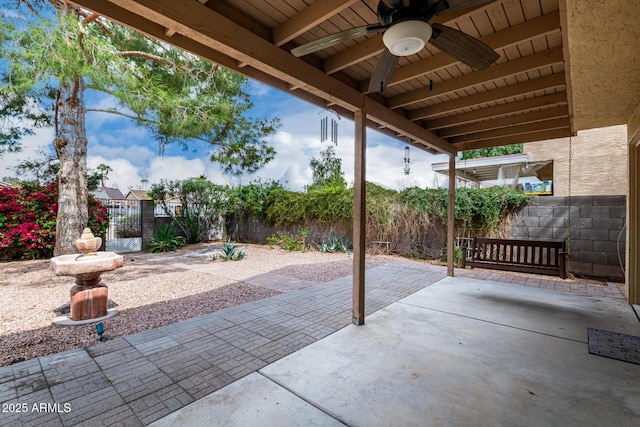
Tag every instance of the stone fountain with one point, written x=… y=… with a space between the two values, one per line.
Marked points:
x=89 y=295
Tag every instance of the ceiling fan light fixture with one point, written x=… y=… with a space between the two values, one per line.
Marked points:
x=407 y=37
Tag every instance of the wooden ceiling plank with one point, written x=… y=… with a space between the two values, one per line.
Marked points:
x=559 y=98
x=533 y=116
x=360 y=52
x=239 y=18
x=309 y=17
x=538 y=27
x=503 y=70
x=530 y=86
x=531 y=8
x=519 y=129
x=514 y=139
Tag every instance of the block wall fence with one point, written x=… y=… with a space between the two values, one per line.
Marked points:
x=593 y=227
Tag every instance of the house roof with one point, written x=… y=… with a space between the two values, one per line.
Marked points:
x=112 y=193
x=138 y=195
x=98 y=194
x=558 y=70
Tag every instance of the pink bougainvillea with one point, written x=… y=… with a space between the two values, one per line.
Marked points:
x=28 y=220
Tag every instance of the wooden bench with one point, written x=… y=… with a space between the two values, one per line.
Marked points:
x=525 y=256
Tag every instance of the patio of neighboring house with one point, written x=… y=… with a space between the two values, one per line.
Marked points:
x=480 y=348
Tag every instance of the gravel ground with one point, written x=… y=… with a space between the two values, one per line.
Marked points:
x=148 y=292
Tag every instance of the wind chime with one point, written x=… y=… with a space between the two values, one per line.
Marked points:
x=327 y=132
x=407 y=161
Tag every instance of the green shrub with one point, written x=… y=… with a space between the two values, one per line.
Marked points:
x=165 y=240
x=289 y=242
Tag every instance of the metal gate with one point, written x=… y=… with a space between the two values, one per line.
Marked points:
x=125 y=225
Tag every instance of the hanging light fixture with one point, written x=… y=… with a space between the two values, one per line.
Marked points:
x=407 y=37
x=407 y=161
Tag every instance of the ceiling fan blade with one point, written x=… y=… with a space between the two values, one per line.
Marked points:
x=463 y=47
x=457 y=5
x=334 y=39
x=384 y=70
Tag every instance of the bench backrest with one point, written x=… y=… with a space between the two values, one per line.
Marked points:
x=514 y=251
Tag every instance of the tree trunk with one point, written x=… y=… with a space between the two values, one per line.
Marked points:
x=71 y=146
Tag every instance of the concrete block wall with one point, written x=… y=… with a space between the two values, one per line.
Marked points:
x=591 y=225
x=147 y=218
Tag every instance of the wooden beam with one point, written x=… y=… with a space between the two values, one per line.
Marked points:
x=546 y=24
x=195 y=22
x=212 y=29
x=519 y=129
x=387 y=118
x=359 y=217
x=497 y=111
x=451 y=215
x=564 y=23
x=497 y=72
x=552 y=81
x=155 y=30
x=309 y=17
x=514 y=139
x=519 y=119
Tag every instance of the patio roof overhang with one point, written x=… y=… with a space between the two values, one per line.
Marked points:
x=564 y=66
x=488 y=168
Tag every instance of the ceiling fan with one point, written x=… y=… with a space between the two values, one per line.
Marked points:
x=406 y=31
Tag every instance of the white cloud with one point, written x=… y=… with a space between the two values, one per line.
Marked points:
x=258 y=89
x=31 y=147
x=174 y=168
x=124 y=175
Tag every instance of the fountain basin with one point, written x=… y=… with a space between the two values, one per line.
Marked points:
x=80 y=264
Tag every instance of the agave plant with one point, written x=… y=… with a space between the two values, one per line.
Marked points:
x=228 y=252
x=165 y=239
x=334 y=244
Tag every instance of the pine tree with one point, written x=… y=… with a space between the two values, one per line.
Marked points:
x=54 y=53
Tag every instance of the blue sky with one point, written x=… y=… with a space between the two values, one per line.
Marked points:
x=133 y=154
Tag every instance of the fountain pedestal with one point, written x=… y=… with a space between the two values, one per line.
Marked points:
x=89 y=296
x=88 y=301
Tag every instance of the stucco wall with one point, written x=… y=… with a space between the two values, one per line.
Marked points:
x=598 y=161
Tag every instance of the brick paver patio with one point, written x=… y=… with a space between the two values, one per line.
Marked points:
x=138 y=379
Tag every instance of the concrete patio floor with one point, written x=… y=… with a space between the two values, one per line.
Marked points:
x=460 y=352
x=434 y=351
